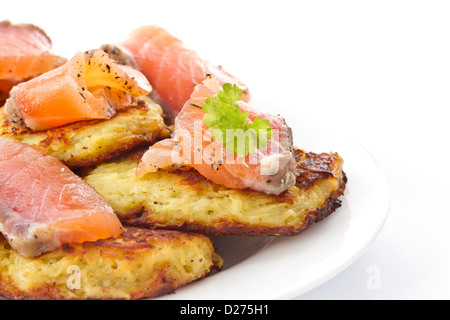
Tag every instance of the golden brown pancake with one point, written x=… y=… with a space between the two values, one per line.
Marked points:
x=141 y=263
x=86 y=143
x=185 y=200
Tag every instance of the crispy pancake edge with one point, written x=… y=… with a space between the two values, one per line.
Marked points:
x=134 y=243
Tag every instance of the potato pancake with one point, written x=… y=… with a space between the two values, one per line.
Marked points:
x=86 y=143
x=141 y=263
x=185 y=200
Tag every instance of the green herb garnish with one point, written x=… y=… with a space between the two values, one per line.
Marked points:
x=229 y=124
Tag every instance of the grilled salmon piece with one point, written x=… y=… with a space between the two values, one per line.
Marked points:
x=172 y=68
x=89 y=86
x=86 y=143
x=140 y=263
x=44 y=205
x=185 y=200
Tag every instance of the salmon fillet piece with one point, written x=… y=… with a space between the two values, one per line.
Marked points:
x=44 y=205
x=270 y=169
x=89 y=86
x=172 y=68
x=25 y=53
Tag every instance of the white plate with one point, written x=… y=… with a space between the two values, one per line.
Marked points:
x=285 y=267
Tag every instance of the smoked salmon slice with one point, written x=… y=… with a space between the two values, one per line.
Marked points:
x=44 y=205
x=172 y=69
x=270 y=169
x=91 y=85
x=25 y=52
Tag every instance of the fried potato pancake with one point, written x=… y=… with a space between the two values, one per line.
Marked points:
x=141 y=263
x=185 y=200
x=86 y=143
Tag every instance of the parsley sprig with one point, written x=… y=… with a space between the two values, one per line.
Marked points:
x=230 y=125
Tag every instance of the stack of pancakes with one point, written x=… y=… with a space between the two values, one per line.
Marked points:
x=168 y=216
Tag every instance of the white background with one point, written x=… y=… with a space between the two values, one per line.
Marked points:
x=378 y=71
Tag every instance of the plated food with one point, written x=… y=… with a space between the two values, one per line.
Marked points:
x=116 y=168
